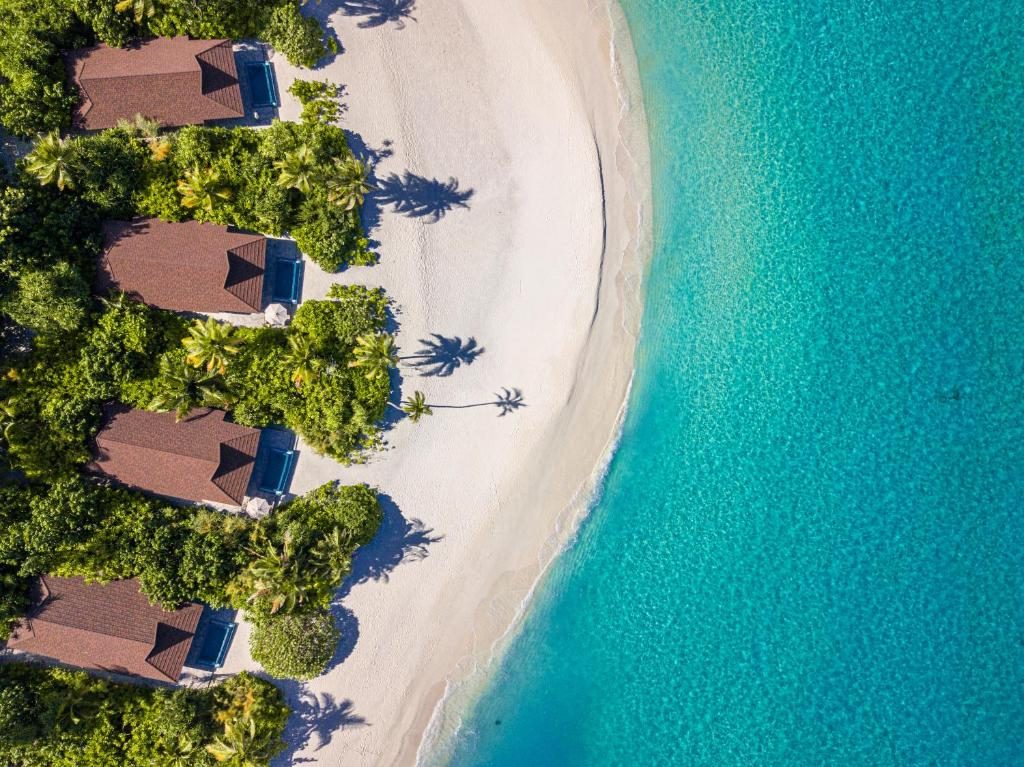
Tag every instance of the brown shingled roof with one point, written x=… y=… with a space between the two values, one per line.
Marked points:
x=111 y=627
x=201 y=458
x=186 y=267
x=171 y=79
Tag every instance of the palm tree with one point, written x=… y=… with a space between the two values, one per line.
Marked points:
x=375 y=353
x=297 y=170
x=141 y=9
x=52 y=161
x=302 y=360
x=416 y=407
x=280 y=576
x=183 y=387
x=332 y=555
x=238 y=744
x=211 y=344
x=202 y=188
x=350 y=183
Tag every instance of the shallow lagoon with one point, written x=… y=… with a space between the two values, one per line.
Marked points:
x=809 y=549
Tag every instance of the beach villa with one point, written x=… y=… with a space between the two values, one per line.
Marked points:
x=108 y=627
x=202 y=458
x=174 y=80
x=184 y=267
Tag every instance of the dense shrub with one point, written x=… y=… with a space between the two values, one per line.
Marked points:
x=319 y=100
x=295 y=646
x=62 y=718
x=34 y=96
x=300 y=38
x=334 y=325
x=49 y=300
x=244 y=161
x=330 y=235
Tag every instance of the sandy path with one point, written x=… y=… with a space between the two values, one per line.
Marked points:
x=531 y=251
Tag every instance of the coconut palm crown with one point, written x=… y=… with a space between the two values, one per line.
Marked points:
x=141 y=9
x=375 y=353
x=52 y=161
x=202 y=188
x=297 y=170
x=416 y=407
x=211 y=344
x=183 y=387
x=349 y=184
x=302 y=360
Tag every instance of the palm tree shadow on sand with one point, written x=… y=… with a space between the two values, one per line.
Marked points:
x=507 y=401
x=315 y=720
x=442 y=355
x=421 y=197
x=398 y=540
x=377 y=13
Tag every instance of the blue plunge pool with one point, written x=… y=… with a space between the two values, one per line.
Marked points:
x=260 y=76
x=215 y=645
x=277 y=471
x=287 y=276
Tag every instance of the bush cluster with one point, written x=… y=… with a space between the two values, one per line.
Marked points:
x=60 y=718
x=244 y=167
x=295 y=646
x=34 y=96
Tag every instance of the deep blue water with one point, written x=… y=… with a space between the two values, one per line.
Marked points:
x=810 y=548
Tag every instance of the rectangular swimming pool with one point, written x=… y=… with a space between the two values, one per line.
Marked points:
x=286 y=281
x=275 y=475
x=260 y=76
x=215 y=644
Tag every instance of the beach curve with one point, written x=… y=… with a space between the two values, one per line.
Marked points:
x=512 y=209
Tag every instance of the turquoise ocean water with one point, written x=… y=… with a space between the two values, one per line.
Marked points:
x=810 y=546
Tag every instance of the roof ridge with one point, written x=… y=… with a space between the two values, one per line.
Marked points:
x=163 y=449
x=92 y=630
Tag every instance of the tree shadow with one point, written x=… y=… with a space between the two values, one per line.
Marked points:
x=370 y=213
x=398 y=540
x=320 y=716
x=348 y=625
x=377 y=13
x=507 y=401
x=420 y=197
x=441 y=355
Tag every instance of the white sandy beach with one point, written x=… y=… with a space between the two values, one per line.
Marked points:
x=536 y=251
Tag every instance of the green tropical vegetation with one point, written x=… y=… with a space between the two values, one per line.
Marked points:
x=349 y=183
x=416 y=407
x=181 y=387
x=34 y=94
x=295 y=646
x=375 y=354
x=211 y=345
x=51 y=161
x=202 y=188
x=53 y=717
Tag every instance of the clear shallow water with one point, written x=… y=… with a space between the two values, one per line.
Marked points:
x=810 y=548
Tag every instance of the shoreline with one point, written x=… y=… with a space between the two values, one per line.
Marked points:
x=445 y=723
x=535 y=116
